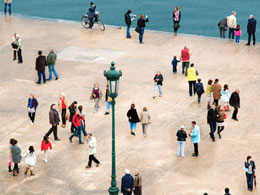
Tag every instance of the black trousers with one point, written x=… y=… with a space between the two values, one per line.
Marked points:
x=249 y=38
x=54 y=130
x=15 y=53
x=63 y=116
x=220 y=129
x=16 y=168
x=92 y=157
x=20 y=58
x=31 y=116
x=192 y=83
x=234 y=115
x=196 y=148
x=215 y=102
x=231 y=33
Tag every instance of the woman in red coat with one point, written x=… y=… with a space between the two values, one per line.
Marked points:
x=46 y=144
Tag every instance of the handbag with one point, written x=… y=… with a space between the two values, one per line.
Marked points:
x=67 y=116
x=176 y=25
x=137 y=29
x=14 y=45
x=109 y=99
x=31 y=110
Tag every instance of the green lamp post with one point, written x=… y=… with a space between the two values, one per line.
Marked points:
x=113 y=76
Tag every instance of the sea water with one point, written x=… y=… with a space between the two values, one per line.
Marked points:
x=199 y=17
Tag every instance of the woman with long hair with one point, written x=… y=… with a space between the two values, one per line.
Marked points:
x=63 y=105
x=132 y=118
x=141 y=25
x=72 y=109
x=176 y=19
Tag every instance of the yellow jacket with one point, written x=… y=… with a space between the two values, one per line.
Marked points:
x=192 y=74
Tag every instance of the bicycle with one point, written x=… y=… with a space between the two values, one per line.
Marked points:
x=96 y=20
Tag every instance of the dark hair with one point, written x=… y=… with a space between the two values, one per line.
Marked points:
x=52 y=106
x=216 y=80
x=226 y=190
x=174 y=57
x=191 y=65
x=91 y=3
x=129 y=11
x=132 y=106
x=40 y=52
x=73 y=104
x=31 y=149
x=205 y=194
x=238 y=26
x=80 y=108
x=90 y=134
x=45 y=138
x=210 y=82
x=248 y=157
x=13 y=141
x=193 y=122
x=199 y=80
x=225 y=87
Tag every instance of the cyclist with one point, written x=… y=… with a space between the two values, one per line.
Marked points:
x=91 y=15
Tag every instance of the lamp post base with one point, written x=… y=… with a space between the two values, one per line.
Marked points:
x=113 y=190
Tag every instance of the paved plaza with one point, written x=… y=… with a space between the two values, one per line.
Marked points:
x=82 y=58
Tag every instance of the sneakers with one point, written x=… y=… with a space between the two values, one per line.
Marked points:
x=107 y=113
x=31 y=123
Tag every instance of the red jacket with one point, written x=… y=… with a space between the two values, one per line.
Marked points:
x=45 y=146
x=185 y=56
x=76 y=120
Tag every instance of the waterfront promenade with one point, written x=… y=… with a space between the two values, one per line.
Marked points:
x=82 y=58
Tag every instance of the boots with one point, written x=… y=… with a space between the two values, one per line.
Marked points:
x=26 y=170
x=10 y=169
x=32 y=174
x=227 y=107
x=14 y=172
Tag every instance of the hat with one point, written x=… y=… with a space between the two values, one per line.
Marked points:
x=127 y=171
x=91 y=3
x=182 y=127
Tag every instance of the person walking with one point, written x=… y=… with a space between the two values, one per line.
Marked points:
x=238 y=34
x=195 y=138
x=192 y=74
x=251 y=28
x=222 y=25
x=199 y=89
x=129 y=17
x=45 y=146
x=83 y=124
x=158 y=79
x=176 y=19
x=208 y=92
x=30 y=160
x=92 y=144
x=212 y=121
x=31 y=106
x=220 y=120
x=132 y=118
x=91 y=15
x=181 y=139
x=141 y=25
x=137 y=183
x=225 y=96
x=96 y=95
x=63 y=105
x=14 y=46
x=51 y=61
x=227 y=191
x=76 y=120
x=234 y=101
x=9 y=4
x=174 y=64
x=40 y=67
x=108 y=101
x=185 y=58
x=72 y=109
x=216 y=90
x=19 y=45
x=54 y=121
x=232 y=24
x=249 y=168
x=145 y=119
x=127 y=183
x=16 y=156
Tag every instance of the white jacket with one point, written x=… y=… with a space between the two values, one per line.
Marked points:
x=232 y=21
x=92 y=144
x=30 y=158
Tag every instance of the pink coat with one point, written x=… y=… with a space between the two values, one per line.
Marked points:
x=238 y=33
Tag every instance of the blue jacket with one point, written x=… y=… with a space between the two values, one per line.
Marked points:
x=127 y=182
x=91 y=12
x=195 y=135
x=34 y=103
x=199 y=88
x=175 y=62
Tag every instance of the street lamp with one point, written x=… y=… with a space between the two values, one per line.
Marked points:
x=113 y=76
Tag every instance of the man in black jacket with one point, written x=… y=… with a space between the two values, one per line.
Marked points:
x=222 y=25
x=251 y=26
x=212 y=121
x=128 y=21
x=158 y=79
x=40 y=67
x=234 y=101
x=54 y=121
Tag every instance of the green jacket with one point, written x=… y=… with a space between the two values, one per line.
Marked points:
x=51 y=58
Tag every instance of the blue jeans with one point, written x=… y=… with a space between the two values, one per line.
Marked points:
x=52 y=69
x=9 y=10
x=40 y=76
x=213 y=126
x=83 y=129
x=76 y=132
x=156 y=89
x=250 y=180
x=231 y=33
x=108 y=105
x=174 y=69
x=128 y=31
x=237 y=39
x=132 y=126
x=141 y=35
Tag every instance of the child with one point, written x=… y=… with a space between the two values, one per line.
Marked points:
x=46 y=144
x=16 y=156
x=30 y=160
x=199 y=89
x=208 y=92
x=10 y=159
x=238 y=34
x=225 y=96
x=174 y=64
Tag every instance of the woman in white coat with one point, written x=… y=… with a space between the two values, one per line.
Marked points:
x=225 y=96
x=145 y=119
x=30 y=160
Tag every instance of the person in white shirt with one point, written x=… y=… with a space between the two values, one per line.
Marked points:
x=30 y=160
x=232 y=24
x=92 y=144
